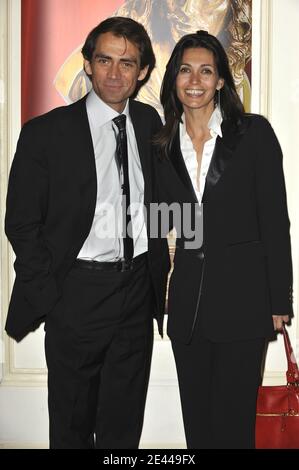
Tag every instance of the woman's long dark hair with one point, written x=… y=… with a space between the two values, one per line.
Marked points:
x=231 y=106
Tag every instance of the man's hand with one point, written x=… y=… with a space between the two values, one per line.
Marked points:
x=278 y=321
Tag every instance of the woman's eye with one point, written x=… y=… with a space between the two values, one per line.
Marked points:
x=184 y=70
x=207 y=71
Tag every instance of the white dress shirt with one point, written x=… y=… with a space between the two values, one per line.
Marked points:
x=104 y=242
x=198 y=178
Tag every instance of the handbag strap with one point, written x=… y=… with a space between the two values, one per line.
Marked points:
x=293 y=371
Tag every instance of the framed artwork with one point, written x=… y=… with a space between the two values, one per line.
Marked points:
x=53 y=32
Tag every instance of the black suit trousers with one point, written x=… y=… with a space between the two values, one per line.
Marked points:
x=98 y=349
x=218 y=384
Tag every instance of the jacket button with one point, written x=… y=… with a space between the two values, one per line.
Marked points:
x=201 y=255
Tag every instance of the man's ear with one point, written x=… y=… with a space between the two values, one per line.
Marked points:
x=142 y=73
x=87 y=67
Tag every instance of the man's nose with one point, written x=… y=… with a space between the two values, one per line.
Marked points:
x=114 y=70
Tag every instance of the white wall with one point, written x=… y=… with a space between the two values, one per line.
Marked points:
x=23 y=394
x=279 y=101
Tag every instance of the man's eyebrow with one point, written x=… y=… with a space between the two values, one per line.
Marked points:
x=129 y=59
x=123 y=59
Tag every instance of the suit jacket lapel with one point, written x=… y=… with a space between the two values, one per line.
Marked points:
x=81 y=151
x=143 y=144
x=179 y=165
x=224 y=150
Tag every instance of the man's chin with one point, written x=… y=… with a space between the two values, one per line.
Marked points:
x=114 y=98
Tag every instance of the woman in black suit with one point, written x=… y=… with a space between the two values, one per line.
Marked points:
x=223 y=169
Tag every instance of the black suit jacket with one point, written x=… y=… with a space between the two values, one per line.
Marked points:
x=50 y=208
x=242 y=274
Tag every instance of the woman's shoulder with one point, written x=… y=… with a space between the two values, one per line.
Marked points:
x=259 y=130
x=257 y=120
x=254 y=124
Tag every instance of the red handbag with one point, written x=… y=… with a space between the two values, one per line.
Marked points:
x=277 y=414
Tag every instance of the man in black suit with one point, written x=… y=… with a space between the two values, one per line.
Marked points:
x=76 y=266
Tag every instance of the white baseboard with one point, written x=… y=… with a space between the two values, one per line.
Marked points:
x=23 y=445
x=143 y=445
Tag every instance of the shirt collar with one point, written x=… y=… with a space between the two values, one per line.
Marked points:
x=214 y=123
x=99 y=113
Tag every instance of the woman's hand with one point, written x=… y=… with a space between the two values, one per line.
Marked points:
x=279 y=320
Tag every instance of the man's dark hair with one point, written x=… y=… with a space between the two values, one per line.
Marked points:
x=130 y=30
